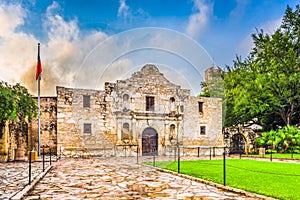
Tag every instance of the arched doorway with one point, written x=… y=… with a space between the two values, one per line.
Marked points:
x=149 y=142
x=237 y=144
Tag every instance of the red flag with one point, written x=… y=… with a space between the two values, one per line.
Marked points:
x=39 y=64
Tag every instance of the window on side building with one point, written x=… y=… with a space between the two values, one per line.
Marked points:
x=149 y=103
x=202 y=130
x=86 y=101
x=87 y=128
x=200 y=107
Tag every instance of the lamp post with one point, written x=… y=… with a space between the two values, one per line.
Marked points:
x=178 y=149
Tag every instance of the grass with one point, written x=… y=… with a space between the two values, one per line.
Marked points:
x=274 y=179
x=277 y=155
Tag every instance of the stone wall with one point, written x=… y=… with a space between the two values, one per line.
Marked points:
x=73 y=117
x=210 y=118
x=14 y=136
x=4 y=142
x=48 y=128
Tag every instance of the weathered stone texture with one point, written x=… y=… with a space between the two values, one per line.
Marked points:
x=48 y=127
x=72 y=115
x=120 y=115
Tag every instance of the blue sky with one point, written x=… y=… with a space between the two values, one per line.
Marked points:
x=87 y=42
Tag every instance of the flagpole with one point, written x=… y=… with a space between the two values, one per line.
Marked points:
x=39 y=108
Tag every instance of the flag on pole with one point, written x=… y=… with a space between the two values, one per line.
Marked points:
x=39 y=65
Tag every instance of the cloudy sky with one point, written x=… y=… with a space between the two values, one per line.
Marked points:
x=87 y=42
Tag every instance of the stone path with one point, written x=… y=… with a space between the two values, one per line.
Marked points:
x=14 y=176
x=119 y=178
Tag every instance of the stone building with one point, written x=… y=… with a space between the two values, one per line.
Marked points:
x=145 y=113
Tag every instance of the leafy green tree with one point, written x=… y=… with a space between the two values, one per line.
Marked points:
x=26 y=107
x=16 y=103
x=265 y=85
x=7 y=103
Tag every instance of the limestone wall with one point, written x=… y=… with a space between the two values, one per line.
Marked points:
x=73 y=117
x=4 y=141
x=48 y=128
x=210 y=118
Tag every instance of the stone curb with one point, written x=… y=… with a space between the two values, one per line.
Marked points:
x=21 y=194
x=217 y=185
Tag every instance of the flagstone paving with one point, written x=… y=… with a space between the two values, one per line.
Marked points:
x=119 y=178
x=14 y=176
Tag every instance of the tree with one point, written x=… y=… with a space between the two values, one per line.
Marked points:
x=16 y=103
x=265 y=85
x=7 y=103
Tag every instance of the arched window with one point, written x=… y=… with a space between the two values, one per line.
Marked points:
x=125 y=135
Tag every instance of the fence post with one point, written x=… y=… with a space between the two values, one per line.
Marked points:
x=29 y=168
x=224 y=166
x=154 y=159
x=198 y=151
x=178 y=170
x=214 y=151
x=50 y=154
x=137 y=154
x=240 y=153
x=43 y=159
x=271 y=156
x=175 y=154
x=209 y=153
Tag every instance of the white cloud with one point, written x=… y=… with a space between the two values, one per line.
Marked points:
x=200 y=19
x=123 y=10
x=11 y=16
x=15 y=47
x=57 y=27
x=246 y=44
x=239 y=10
x=61 y=55
x=271 y=26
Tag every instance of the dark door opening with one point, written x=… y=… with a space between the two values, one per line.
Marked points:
x=149 y=142
x=237 y=144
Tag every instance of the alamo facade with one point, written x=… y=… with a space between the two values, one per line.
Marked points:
x=145 y=114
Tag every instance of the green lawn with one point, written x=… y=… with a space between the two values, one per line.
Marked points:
x=274 y=179
x=277 y=155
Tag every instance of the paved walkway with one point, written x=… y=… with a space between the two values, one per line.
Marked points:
x=119 y=178
x=14 y=176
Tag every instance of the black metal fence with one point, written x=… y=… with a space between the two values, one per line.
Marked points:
x=45 y=158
